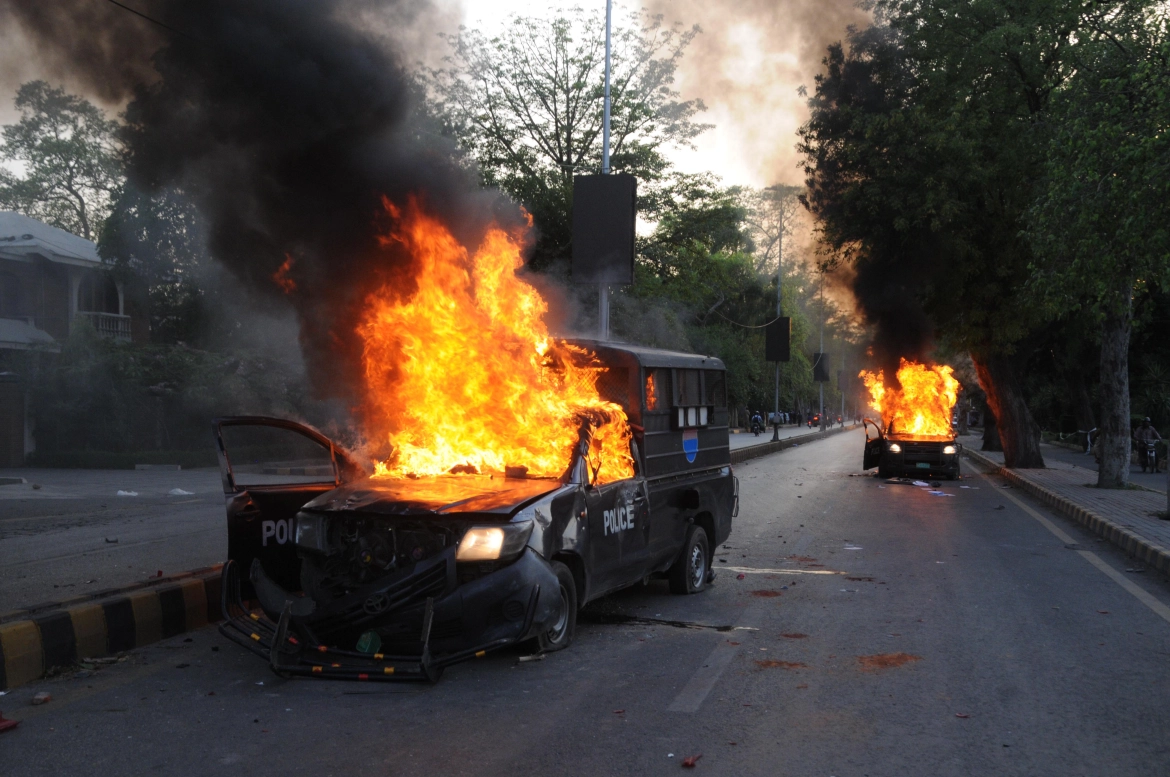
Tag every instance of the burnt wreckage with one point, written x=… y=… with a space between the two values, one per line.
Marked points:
x=397 y=578
x=899 y=454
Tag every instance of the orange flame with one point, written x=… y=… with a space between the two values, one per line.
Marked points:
x=924 y=403
x=651 y=391
x=462 y=374
x=281 y=278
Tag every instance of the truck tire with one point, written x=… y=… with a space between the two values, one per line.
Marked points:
x=560 y=635
x=688 y=575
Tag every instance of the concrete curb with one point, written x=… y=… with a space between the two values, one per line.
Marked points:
x=740 y=455
x=1140 y=548
x=33 y=642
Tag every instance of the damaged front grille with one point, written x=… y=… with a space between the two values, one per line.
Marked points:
x=410 y=587
x=360 y=550
x=922 y=451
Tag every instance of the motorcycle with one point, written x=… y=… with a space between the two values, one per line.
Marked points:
x=756 y=428
x=1148 y=455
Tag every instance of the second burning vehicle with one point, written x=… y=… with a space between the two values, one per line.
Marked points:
x=915 y=436
x=368 y=578
x=913 y=455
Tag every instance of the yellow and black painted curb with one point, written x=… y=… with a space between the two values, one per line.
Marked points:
x=740 y=455
x=1140 y=548
x=33 y=642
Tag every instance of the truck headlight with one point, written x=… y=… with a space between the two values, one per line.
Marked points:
x=895 y=448
x=491 y=543
x=311 y=533
x=949 y=450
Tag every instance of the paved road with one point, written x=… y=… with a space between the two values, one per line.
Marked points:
x=57 y=540
x=882 y=631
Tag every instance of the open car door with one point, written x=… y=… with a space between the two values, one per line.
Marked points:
x=271 y=468
x=873 y=445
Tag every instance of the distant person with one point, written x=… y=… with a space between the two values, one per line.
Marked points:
x=1144 y=435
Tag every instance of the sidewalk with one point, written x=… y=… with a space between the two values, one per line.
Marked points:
x=1124 y=517
x=797 y=436
x=745 y=439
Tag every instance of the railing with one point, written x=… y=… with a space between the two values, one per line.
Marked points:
x=109 y=324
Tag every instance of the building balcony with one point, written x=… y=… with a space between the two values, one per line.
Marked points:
x=108 y=324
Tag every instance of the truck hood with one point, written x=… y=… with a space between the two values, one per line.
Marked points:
x=896 y=436
x=442 y=495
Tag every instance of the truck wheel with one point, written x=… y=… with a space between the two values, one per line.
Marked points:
x=688 y=575
x=560 y=635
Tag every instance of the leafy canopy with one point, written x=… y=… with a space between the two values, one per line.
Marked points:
x=527 y=106
x=65 y=150
x=1101 y=225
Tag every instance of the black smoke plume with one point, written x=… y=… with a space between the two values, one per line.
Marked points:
x=888 y=291
x=286 y=124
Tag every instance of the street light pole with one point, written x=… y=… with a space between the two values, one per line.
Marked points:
x=821 y=384
x=603 y=288
x=779 y=279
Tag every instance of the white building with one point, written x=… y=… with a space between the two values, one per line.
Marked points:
x=49 y=281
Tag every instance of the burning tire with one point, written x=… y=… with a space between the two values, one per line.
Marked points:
x=561 y=634
x=688 y=575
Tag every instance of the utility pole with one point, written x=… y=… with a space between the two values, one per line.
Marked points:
x=779 y=279
x=843 y=381
x=603 y=288
x=821 y=384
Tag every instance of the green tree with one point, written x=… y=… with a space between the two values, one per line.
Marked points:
x=527 y=107
x=926 y=144
x=1101 y=225
x=65 y=148
x=697 y=287
x=160 y=242
x=770 y=220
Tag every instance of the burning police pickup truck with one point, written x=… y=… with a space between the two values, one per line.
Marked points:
x=915 y=437
x=397 y=576
x=913 y=455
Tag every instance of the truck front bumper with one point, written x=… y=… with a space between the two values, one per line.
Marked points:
x=426 y=629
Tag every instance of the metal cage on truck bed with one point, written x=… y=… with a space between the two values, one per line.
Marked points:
x=676 y=403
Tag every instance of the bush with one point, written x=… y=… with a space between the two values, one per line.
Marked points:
x=103 y=403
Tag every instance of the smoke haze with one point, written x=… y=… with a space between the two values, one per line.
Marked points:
x=286 y=124
x=97 y=49
x=747 y=66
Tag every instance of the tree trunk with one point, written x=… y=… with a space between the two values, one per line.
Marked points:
x=991 y=441
x=1115 y=429
x=1017 y=429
